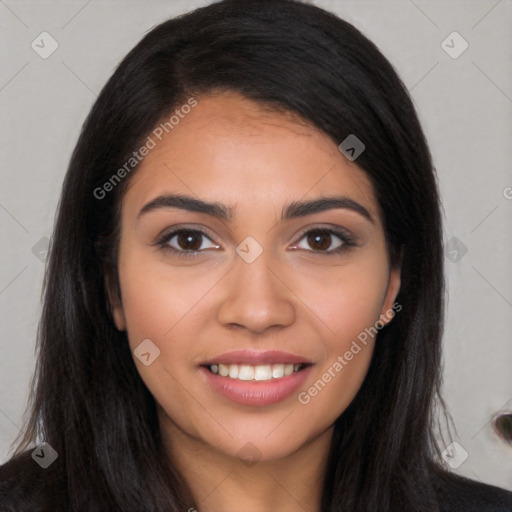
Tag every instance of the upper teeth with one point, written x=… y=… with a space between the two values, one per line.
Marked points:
x=248 y=372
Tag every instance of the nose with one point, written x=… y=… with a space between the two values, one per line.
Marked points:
x=257 y=296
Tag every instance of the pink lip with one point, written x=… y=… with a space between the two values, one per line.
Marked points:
x=254 y=358
x=255 y=392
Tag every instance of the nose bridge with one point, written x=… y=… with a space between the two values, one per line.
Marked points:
x=256 y=265
x=256 y=297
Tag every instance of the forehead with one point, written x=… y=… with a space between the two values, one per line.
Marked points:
x=231 y=149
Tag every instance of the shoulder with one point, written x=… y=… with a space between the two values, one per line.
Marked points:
x=25 y=486
x=459 y=494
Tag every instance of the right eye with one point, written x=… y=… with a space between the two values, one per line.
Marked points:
x=184 y=242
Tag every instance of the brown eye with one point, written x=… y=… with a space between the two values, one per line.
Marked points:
x=322 y=240
x=185 y=242
x=189 y=240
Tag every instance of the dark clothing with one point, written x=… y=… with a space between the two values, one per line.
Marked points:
x=458 y=494
x=25 y=487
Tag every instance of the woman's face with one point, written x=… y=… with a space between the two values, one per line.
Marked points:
x=267 y=275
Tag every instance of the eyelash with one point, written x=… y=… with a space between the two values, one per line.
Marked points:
x=347 y=241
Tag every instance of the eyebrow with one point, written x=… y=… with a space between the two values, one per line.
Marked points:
x=220 y=211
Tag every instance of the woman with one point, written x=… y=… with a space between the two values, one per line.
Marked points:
x=243 y=303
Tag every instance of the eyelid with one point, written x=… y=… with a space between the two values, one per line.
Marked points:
x=171 y=230
x=335 y=229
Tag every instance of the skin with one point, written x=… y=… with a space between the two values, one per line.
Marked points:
x=304 y=301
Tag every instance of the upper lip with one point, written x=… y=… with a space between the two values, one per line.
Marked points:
x=252 y=357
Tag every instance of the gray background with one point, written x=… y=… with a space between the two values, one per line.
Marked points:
x=465 y=106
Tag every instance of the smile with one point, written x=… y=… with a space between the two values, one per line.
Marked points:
x=248 y=372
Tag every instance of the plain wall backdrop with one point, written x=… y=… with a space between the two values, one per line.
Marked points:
x=464 y=100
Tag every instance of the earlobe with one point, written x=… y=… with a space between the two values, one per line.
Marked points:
x=388 y=311
x=114 y=301
x=118 y=315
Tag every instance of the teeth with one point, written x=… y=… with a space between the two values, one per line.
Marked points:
x=278 y=371
x=233 y=371
x=263 y=372
x=245 y=372
x=248 y=372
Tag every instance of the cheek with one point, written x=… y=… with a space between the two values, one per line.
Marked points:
x=167 y=306
x=160 y=305
x=346 y=299
x=158 y=298
x=348 y=303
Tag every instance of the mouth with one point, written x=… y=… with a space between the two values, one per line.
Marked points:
x=255 y=379
x=247 y=372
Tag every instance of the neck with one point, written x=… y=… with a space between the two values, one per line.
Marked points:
x=221 y=482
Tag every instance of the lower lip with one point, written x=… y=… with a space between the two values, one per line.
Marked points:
x=255 y=392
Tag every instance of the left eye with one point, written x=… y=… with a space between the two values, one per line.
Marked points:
x=321 y=239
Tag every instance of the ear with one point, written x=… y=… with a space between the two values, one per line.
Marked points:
x=114 y=300
x=388 y=311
